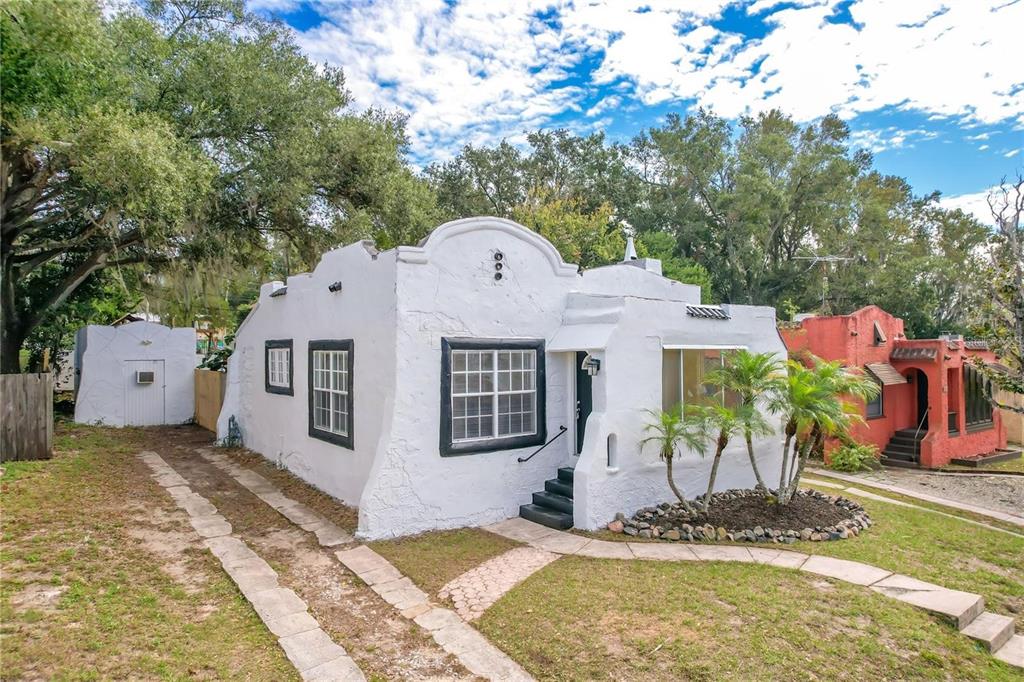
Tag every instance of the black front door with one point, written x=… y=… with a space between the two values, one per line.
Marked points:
x=584 y=399
x=922 y=400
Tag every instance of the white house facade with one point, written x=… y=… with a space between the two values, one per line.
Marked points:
x=136 y=374
x=477 y=376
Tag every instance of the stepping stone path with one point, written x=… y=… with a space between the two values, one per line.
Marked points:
x=451 y=632
x=328 y=534
x=965 y=610
x=311 y=650
x=476 y=590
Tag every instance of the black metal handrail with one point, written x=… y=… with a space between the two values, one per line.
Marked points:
x=561 y=430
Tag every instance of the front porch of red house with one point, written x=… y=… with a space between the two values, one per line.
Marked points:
x=933 y=406
x=938 y=410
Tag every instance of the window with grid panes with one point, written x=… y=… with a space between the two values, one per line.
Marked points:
x=493 y=395
x=330 y=391
x=278 y=366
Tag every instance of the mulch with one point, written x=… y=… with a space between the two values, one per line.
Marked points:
x=751 y=511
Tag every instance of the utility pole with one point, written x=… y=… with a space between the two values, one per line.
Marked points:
x=827 y=262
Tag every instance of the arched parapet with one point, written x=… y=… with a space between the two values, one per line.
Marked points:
x=423 y=252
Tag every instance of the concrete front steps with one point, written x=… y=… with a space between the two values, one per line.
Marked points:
x=552 y=507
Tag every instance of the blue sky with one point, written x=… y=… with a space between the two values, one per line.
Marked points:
x=934 y=89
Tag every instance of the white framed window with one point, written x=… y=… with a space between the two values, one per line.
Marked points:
x=330 y=391
x=493 y=395
x=278 y=360
x=684 y=377
x=278 y=366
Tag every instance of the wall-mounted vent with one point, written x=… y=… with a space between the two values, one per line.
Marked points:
x=708 y=312
x=145 y=377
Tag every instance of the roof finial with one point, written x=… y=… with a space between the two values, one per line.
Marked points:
x=630 y=250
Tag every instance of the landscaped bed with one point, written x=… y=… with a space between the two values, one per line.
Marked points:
x=749 y=516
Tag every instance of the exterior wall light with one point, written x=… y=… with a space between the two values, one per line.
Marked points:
x=334 y=288
x=591 y=364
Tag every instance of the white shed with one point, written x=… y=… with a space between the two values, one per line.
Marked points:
x=478 y=376
x=137 y=374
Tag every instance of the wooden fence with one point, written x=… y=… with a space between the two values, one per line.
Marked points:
x=209 y=397
x=26 y=415
x=1013 y=421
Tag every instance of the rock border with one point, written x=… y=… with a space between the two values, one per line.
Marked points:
x=644 y=523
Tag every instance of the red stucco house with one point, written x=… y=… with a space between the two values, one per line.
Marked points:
x=933 y=405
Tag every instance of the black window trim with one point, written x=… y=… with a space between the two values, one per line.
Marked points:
x=348 y=440
x=450 y=449
x=279 y=390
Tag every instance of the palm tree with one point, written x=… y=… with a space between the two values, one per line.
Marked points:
x=725 y=423
x=755 y=379
x=814 y=403
x=669 y=430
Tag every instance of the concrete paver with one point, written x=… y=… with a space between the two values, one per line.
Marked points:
x=311 y=650
x=845 y=570
x=1012 y=652
x=476 y=590
x=328 y=534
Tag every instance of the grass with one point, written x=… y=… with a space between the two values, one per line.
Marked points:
x=586 y=619
x=77 y=524
x=929 y=547
x=431 y=560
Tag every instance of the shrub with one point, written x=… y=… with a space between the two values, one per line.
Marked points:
x=853 y=457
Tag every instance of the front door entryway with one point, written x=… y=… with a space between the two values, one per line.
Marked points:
x=921 y=379
x=584 y=399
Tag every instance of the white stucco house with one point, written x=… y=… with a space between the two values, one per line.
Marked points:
x=477 y=376
x=136 y=374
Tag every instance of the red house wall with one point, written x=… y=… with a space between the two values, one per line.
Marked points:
x=850 y=339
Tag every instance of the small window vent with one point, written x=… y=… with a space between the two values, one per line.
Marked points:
x=708 y=312
x=145 y=377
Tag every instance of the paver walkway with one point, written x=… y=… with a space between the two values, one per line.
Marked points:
x=963 y=609
x=1014 y=519
x=453 y=634
x=311 y=650
x=477 y=589
x=450 y=632
x=328 y=534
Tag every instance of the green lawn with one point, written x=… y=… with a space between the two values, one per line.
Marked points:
x=1007 y=465
x=433 y=559
x=930 y=547
x=99 y=584
x=587 y=619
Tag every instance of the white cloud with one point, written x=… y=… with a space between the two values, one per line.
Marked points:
x=889 y=138
x=1010 y=154
x=478 y=70
x=975 y=204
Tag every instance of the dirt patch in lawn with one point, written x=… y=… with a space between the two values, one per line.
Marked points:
x=382 y=643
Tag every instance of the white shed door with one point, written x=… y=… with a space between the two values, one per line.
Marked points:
x=143 y=402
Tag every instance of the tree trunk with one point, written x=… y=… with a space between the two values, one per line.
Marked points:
x=672 y=485
x=814 y=441
x=753 y=463
x=722 y=440
x=12 y=335
x=790 y=432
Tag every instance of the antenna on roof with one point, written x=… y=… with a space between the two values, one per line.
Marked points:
x=826 y=263
x=630 y=246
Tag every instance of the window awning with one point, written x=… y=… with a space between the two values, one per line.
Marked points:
x=573 y=337
x=886 y=373
x=913 y=353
